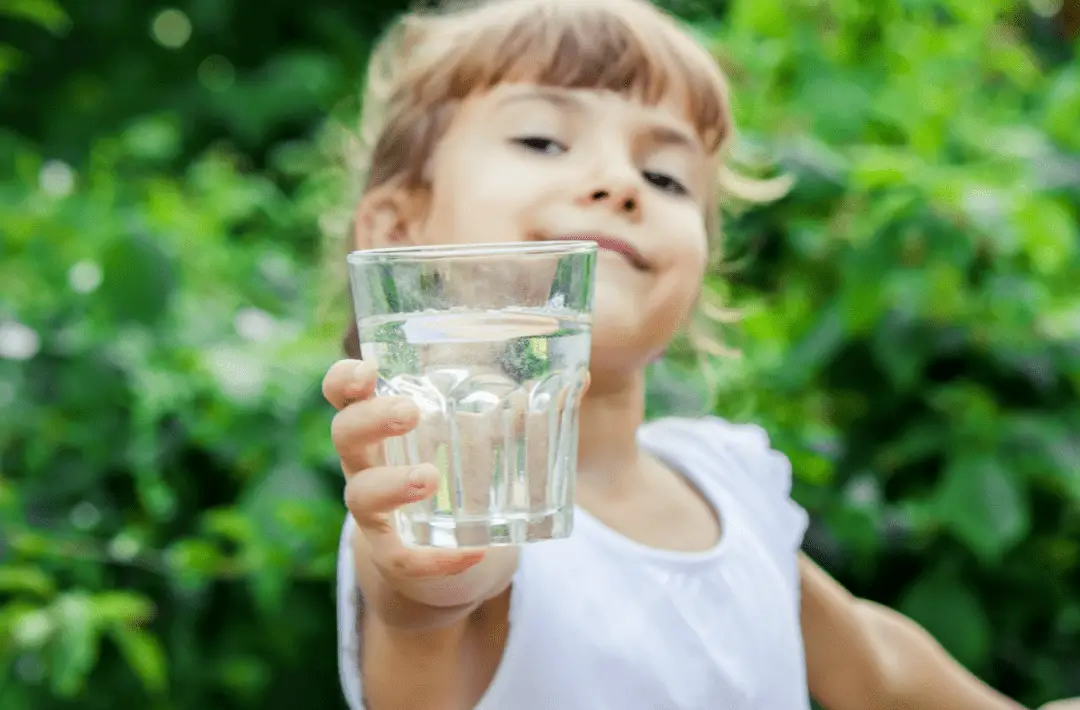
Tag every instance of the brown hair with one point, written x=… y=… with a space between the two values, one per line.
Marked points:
x=427 y=64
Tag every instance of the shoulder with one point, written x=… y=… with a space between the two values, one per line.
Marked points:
x=742 y=452
x=741 y=459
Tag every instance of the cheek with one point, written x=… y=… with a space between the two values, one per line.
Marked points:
x=677 y=286
x=481 y=199
x=687 y=259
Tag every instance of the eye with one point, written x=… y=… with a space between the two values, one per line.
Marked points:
x=539 y=144
x=666 y=183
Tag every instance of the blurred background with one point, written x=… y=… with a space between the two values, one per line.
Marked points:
x=169 y=497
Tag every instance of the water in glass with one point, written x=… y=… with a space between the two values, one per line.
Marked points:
x=498 y=392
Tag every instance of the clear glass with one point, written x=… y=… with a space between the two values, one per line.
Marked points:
x=492 y=343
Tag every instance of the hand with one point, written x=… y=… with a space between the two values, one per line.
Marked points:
x=373 y=490
x=1072 y=704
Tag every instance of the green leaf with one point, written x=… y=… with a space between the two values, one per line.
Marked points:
x=268 y=589
x=75 y=648
x=10 y=59
x=138 y=280
x=195 y=558
x=1048 y=233
x=840 y=119
x=122 y=608
x=944 y=606
x=875 y=168
x=902 y=349
x=26 y=579
x=984 y=505
x=1062 y=110
x=919 y=442
x=144 y=654
x=809 y=355
x=764 y=18
x=245 y=675
x=155 y=138
x=230 y=524
x=46 y=13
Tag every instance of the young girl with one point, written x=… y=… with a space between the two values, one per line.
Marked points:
x=682 y=586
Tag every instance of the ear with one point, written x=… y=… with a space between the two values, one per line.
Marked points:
x=389 y=216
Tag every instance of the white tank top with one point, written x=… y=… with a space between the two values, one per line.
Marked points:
x=601 y=622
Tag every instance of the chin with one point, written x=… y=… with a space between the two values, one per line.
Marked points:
x=628 y=330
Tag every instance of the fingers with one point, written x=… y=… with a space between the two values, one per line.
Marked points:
x=376 y=492
x=373 y=492
x=373 y=495
x=359 y=426
x=394 y=560
x=349 y=381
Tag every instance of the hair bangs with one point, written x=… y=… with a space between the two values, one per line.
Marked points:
x=623 y=46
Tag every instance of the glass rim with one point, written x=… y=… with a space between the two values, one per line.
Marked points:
x=450 y=251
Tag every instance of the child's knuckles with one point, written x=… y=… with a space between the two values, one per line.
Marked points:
x=379 y=490
x=343 y=434
x=355 y=430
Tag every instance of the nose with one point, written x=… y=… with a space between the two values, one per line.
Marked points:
x=624 y=200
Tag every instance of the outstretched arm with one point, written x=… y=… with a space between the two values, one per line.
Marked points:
x=863 y=656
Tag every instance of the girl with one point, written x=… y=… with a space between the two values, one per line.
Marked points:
x=682 y=586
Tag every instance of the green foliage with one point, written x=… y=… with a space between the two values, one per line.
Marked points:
x=911 y=312
x=169 y=500
x=164 y=451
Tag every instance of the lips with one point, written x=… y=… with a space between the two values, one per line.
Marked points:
x=613 y=244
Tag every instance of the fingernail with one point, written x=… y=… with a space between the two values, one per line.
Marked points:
x=402 y=412
x=360 y=371
x=418 y=479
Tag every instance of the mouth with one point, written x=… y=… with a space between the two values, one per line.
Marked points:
x=612 y=244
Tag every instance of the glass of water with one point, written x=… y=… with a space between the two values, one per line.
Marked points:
x=492 y=343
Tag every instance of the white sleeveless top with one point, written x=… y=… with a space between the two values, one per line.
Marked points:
x=601 y=622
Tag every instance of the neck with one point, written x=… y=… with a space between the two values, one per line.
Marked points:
x=611 y=413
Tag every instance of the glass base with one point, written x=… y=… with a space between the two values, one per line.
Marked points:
x=446 y=532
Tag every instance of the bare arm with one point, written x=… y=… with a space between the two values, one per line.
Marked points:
x=863 y=656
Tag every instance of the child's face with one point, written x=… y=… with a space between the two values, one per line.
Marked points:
x=526 y=163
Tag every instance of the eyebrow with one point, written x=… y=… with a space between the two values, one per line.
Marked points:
x=666 y=135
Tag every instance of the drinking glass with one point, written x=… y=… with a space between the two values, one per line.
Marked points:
x=491 y=341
